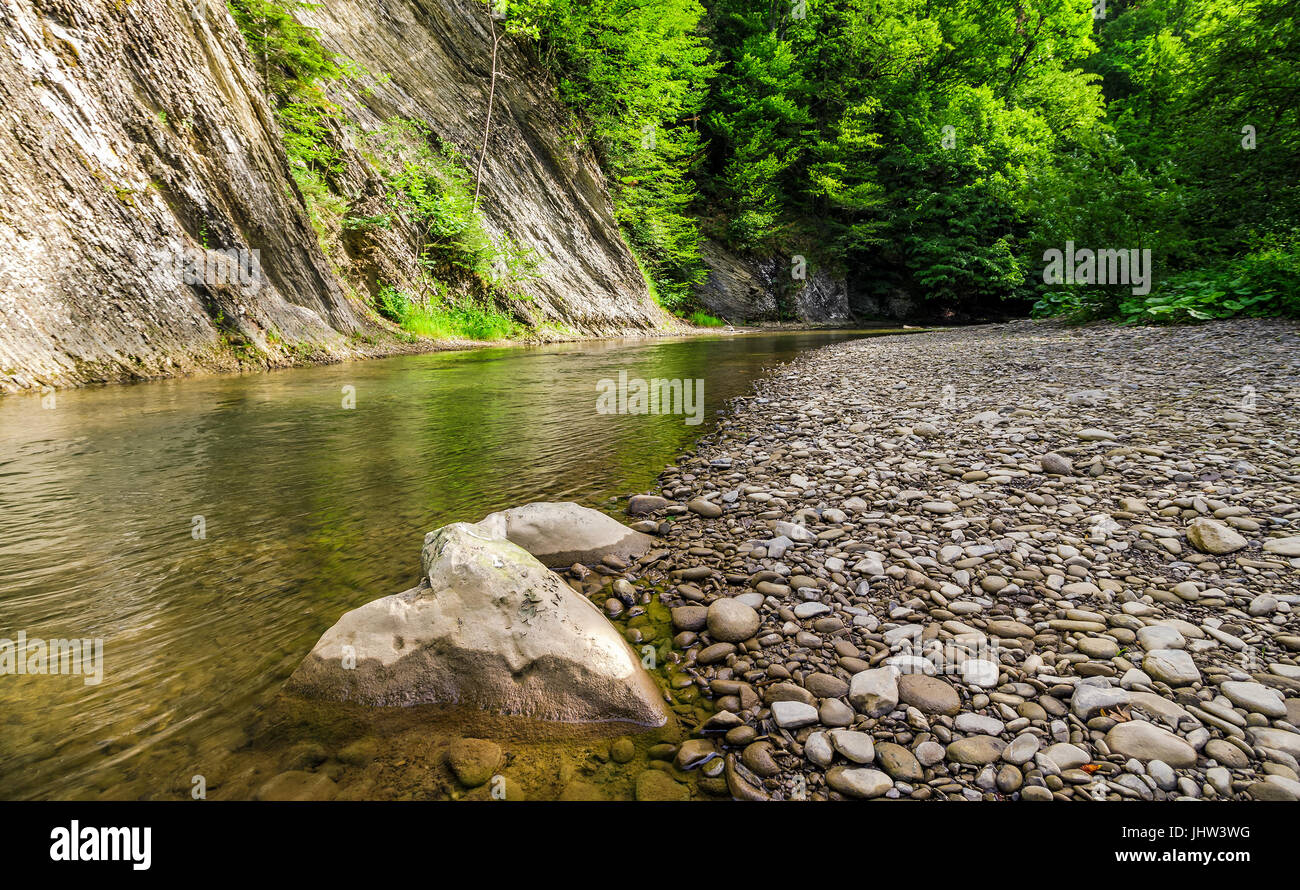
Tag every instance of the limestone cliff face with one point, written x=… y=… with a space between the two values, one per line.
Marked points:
x=542 y=187
x=741 y=288
x=135 y=140
x=148 y=221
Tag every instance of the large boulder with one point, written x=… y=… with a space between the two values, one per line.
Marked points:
x=560 y=534
x=489 y=627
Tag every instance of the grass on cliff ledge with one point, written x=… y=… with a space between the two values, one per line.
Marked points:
x=705 y=320
x=445 y=321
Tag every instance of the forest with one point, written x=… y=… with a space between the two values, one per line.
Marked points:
x=948 y=152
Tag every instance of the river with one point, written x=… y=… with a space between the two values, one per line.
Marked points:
x=208 y=530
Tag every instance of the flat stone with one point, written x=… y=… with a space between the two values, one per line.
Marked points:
x=694 y=753
x=1009 y=779
x=1269 y=791
x=1008 y=629
x=1277 y=739
x=834 y=712
x=980 y=673
x=1226 y=753
x=1254 y=697
x=641 y=504
x=1067 y=756
x=930 y=695
x=875 y=692
x=976 y=750
x=1159 y=707
x=1145 y=742
x=929 y=753
x=858 y=781
x=1163 y=775
x=1172 y=666
x=978 y=724
x=1289 y=546
x=825 y=685
x=1209 y=536
x=818 y=749
x=1160 y=636
x=856 y=746
x=793 y=714
x=1056 y=465
x=689 y=617
x=1088 y=700
x=758 y=757
x=731 y=621
x=899 y=762
x=1098 y=647
x=701 y=507
x=715 y=653
x=1022 y=749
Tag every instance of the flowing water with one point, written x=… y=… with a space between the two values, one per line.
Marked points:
x=209 y=530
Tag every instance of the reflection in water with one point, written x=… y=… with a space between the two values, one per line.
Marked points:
x=308 y=509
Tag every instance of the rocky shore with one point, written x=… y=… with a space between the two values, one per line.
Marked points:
x=1020 y=561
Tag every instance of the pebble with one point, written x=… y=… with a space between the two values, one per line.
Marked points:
x=793 y=714
x=858 y=781
x=930 y=695
x=856 y=746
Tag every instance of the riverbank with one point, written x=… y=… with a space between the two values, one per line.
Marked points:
x=239 y=356
x=1014 y=561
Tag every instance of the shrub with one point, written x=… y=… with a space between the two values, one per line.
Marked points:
x=1263 y=283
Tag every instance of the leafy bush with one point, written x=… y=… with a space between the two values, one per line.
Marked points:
x=429 y=183
x=1260 y=284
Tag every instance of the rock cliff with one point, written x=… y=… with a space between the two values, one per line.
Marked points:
x=741 y=288
x=150 y=225
x=542 y=187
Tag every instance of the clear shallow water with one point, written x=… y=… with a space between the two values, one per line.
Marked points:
x=310 y=510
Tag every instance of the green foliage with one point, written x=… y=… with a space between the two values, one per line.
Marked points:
x=1259 y=284
x=636 y=75
x=441 y=320
x=432 y=188
x=705 y=320
x=1203 y=95
x=1265 y=282
x=939 y=149
x=929 y=150
x=901 y=136
x=297 y=70
x=427 y=182
x=1069 y=303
